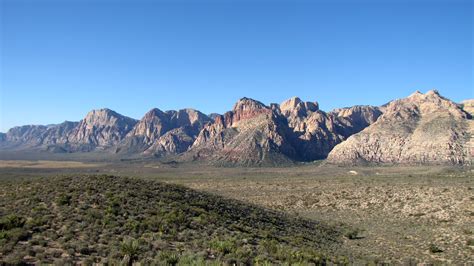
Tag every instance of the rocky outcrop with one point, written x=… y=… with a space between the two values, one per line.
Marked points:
x=159 y=133
x=468 y=106
x=351 y=120
x=100 y=129
x=59 y=134
x=422 y=128
x=38 y=136
x=250 y=134
x=213 y=116
x=175 y=141
x=253 y=133
x=315 y=133
x=294 y=107
x=24 y=136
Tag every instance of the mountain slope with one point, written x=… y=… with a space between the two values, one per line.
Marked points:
x=159 y=133
x=314 y=133
x=422 y=128
x=251 y=134
x=100 y=129
x=256 y=134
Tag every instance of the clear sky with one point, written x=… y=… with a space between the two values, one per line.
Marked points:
x=60 y=59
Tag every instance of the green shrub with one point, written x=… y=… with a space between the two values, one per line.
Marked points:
x=113 y=207
x=353 y=234
x=169 y=257
x=11 y=221
x=131 y=248
x=434 y=248
x=64 y=199
x=223 y=247
x=470 y=242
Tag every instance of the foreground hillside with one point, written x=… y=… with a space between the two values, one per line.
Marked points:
x=112 y=219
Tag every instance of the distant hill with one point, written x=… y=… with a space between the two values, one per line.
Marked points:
x=422 y=128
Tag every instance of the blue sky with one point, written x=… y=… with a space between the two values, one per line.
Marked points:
x=60 y=59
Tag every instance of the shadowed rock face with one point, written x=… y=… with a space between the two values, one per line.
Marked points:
x=422 y=128
x=315 y=133
x=351 y=120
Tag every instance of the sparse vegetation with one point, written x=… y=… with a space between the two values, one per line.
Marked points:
x=106 y=219
x=435 y=249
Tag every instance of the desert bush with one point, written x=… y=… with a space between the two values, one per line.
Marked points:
x=11 y=221
x=223 y=246
x=353 y=233
x=169 y=257
x=64 y=199
x=131 y=248
x=433 y=248
x=113 y=219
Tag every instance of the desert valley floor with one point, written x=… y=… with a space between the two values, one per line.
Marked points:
x=386 y=213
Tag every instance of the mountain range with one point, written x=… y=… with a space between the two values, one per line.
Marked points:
x=422 y=128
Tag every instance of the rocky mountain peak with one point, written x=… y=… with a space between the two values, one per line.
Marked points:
x=247 y=104
x=291 y=103
x=100 y=129
x=188 y=116
x=295 y=106
x=153 y=124
x=155 y=112
x=422 y=128
x=245 y=109
x=105 y=116
x=419 y=104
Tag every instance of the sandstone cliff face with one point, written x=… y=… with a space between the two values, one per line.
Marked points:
x=418 y=129
x=159 y=133
x=25 y=136
x=100 y=129
x=250 y=134
x=315 y=133
x=58 y=134
x=173 y=142
x=253 y=133
x=468 y=106
x=423 y=128
x=33 y=136
x=351 y=120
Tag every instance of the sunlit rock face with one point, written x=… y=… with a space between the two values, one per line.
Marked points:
x=422 y=128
